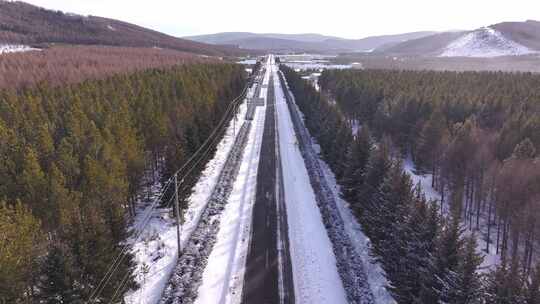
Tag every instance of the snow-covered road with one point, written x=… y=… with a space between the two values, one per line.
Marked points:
x=268 y=275
x=315 y=277
x=262 y=226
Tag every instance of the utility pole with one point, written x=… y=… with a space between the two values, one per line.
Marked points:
x=234 y=120
x=177 y=207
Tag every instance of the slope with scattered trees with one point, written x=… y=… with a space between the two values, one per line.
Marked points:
x=23 y=23
x=476 y=133
x=426 y=256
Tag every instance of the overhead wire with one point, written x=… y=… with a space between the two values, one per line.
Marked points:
x=212 y=138
x=192 y=167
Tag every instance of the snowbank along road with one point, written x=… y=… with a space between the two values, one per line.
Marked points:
x=271 y=231
x=348 y=260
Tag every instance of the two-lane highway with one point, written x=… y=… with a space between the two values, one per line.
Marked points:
x=277 y=237
x=268 y=275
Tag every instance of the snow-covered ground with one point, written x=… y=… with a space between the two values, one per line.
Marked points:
x=424 y=180
x=15 y=48
x=248 y=61
x=266 y=78
x=490 y=259
x=484 y=42
x=156 y=252
x=375 y=274
x=263 y=93
x=316 y=66
x=223 y=276
x=355 y=126
x=315 y=275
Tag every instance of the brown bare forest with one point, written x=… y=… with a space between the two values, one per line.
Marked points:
x=73 y=64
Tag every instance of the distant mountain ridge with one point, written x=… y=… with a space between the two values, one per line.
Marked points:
x=427 y=46
x=23 y=23
x=304 y=42
x=501 y=39
x=228 y=37
x=525 y=33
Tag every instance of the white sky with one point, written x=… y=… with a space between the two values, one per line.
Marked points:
x=344 y=18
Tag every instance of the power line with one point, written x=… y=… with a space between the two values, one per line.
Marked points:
x=192 y=167
x=211 y=139
x=219 y=126
x=121 y=286
x=120 y=257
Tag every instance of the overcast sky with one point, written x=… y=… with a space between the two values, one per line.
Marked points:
x=349 y=19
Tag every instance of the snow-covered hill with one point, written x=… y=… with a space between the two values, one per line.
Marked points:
x=14 y=48
x=484 y=42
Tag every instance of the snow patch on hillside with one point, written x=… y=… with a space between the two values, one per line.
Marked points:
x=15 y=48
x=484 y=42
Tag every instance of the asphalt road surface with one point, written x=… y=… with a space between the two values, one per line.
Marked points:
x=268 y=276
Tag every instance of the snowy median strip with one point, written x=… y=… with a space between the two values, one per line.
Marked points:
x=316 y=278
x=223 y=276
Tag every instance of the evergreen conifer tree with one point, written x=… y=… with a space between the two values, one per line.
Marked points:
x=55 y=286
x=356 y=161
